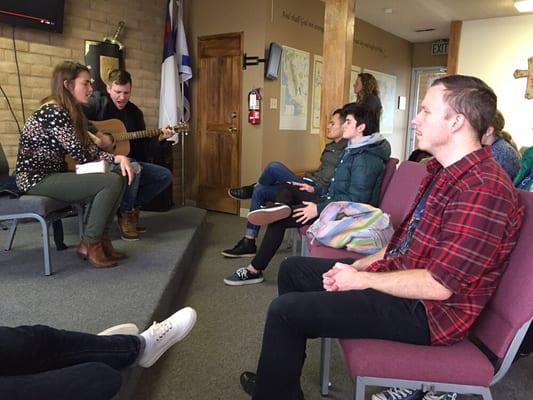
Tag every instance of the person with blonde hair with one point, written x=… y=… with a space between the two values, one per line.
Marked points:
x=57 y=129
x=504 y=148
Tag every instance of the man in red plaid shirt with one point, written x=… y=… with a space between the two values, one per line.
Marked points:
x=441 y=267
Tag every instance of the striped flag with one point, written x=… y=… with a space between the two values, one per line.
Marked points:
x=174 y=105
x=184 y=64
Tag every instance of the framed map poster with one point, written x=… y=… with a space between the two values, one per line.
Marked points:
x=316 y=95
x=294 y=88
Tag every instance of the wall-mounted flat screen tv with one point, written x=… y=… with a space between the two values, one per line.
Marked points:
x=273 y=61
x=38 y=14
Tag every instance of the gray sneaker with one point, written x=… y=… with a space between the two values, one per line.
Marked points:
x=244 y=277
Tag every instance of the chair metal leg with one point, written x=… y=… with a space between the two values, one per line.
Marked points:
x=46 y=244
x=295 y=235
x=487 y=395
x=359 y=389
x=305 y=249
x=325 y=361
x=11 y=235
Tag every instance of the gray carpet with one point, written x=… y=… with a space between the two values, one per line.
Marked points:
x=80 y=297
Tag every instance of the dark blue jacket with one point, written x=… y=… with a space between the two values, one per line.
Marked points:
x=358 y=174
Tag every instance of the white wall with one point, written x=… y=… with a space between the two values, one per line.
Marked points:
x=492 y=49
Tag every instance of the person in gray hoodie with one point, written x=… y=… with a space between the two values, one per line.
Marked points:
x=357 y=177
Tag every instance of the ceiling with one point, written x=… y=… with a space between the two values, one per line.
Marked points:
x=410 y=15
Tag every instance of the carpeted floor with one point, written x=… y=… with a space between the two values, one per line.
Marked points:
x=227 y=337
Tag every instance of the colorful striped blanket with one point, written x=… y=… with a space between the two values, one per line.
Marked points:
x=357 y=227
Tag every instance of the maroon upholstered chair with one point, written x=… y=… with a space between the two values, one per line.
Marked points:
x=461 y=367
x=390 y=169
x=397 y=199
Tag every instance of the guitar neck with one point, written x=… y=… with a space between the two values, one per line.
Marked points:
x=136 y=134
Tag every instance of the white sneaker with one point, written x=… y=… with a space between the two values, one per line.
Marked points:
x=161 y=336
x=122 y=329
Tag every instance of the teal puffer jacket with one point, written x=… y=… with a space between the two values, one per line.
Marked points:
x=358 y=174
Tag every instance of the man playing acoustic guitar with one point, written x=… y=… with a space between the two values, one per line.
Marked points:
x=153 y=179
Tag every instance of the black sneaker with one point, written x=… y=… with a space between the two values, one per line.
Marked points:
x=244 y=248
x=248 y=382
x=267 y=215
x=242 y=193
x=244 y=277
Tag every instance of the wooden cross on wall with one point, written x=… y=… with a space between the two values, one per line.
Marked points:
x=527 y=73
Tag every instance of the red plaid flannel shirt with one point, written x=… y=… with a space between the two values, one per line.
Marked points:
x=467 y=231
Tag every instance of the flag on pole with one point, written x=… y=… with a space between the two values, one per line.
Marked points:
x=174 y=104
x=184 y=64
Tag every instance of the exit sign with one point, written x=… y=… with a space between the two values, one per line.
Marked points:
x=439 y=47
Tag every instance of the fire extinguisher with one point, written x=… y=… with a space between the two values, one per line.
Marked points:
x=254 y=107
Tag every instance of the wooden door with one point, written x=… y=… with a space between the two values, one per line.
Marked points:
x=219 y=120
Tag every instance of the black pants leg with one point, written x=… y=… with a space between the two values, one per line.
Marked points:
x=49 y=359
x=87 y=381
x=304 y=310
x=273 y=238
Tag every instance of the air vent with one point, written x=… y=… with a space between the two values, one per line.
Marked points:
x=425 y=30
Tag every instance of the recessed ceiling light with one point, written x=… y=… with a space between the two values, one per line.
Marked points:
x=524 y=6
x=425 y=30
x=388 y=10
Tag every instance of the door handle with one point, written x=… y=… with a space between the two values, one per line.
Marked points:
x=232 y=130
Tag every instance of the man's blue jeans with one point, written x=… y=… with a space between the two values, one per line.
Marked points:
x=152 y=180
x=266 y=188
x=39 y=362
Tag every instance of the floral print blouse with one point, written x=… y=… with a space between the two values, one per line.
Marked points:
x=48 y=136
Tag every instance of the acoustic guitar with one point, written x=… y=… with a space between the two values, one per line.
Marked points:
x=117 y=129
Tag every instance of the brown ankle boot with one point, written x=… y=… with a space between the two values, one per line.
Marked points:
x=82 y=249
x=126 y=224
x=97 y=257
x=139 y=228
x=110 y=251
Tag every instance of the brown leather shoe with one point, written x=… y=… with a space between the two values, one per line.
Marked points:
x=110 y=251
x=139 y=228
x=97 y=257
x=82 y=249
x=126 y=224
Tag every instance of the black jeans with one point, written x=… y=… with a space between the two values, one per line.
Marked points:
x=39 y=362
x=292 y=196
x=305 y=310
